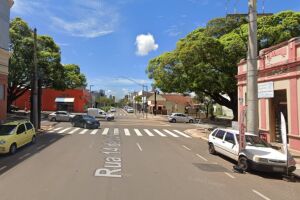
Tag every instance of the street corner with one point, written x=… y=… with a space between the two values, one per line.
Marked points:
x=198 y=133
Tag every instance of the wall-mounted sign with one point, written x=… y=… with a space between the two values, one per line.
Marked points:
x=266 y=90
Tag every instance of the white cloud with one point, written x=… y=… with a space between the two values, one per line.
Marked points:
x=145 y=44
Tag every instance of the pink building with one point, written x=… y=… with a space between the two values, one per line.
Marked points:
x=279 y=90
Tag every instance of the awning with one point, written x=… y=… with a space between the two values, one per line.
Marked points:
x=64 y=100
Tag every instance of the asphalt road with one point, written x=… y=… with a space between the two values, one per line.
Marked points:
x=129 y=159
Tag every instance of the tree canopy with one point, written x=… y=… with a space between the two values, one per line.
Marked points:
x=52 y=72
x=205 y=61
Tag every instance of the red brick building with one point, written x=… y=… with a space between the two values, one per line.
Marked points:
x=73 y=100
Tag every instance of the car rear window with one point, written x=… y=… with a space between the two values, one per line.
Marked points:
x=6 y=129
x=220 y=134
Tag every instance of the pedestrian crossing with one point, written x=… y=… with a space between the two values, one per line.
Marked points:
x=120 y=131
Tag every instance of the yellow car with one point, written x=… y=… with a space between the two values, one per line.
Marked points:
x=16 y=134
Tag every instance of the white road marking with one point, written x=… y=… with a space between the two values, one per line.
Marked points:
x=127 y=133
x=139 y=146
x=260 y=194
x=116 y=131
x=148 y=132
x=159 y=133
x=186 y=147
x=74 y=130
x=40 y=147
x=94 y=132
x=229 y=175
x=201 y=157
x=2 y=168
x=56 y=129
x=27 y=154
x=83 y=131
x=183 y=134
x=105 y=132
x=64 y=130
x=138 y=133
x=169 y=132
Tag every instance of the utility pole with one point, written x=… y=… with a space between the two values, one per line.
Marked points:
x=34 y=90
x=155 y=103
x=251 y=99
x=91 y=95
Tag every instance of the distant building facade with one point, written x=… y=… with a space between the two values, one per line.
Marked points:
x=72 y=100
x=4 y=54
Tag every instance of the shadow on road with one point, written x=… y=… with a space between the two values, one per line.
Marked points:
x=8 y=161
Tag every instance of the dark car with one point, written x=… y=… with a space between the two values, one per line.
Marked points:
x=85 y=121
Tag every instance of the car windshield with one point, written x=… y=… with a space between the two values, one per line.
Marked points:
x=252 y=140
x=88 y=117
x=6 y=129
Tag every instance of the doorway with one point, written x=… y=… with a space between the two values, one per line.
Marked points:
x=278 y=105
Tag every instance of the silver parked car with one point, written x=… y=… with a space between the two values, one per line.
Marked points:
x=60 y=116
x=180 y=117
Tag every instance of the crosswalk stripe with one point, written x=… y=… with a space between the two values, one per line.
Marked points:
x=74 y=130
x=126 y=131
x=64 y=130
x=148 y=132
x=105 y=132
x=94 y=132
x=138 y=133
x=83 y=131
x=159 y=133
x=169 y=132
x=116 y=131
x=183 y=134
x=56 y=129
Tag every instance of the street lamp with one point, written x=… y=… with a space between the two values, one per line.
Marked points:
x=91 y=95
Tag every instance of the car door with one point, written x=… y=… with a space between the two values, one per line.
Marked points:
x=218 y=141
x=21 y=135
x=30 y=132
x=65 y=116
x=230 y=146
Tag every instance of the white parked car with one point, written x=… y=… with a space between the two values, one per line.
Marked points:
x=258 y=155
x=130 y=110
x=112 y=109
x=180 y=117
x=60 y=116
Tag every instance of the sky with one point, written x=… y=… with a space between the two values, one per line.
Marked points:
x=113 y=40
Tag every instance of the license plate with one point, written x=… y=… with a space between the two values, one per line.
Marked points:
x=278 y=169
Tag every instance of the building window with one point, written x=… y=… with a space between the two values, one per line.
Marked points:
x=2 y=92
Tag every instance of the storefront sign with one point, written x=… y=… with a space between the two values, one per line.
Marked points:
x=265 y=90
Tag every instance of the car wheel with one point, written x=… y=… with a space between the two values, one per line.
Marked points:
x=13 y=149
x=211 y=149
x=53 y=119
x=243 y=163
x=173 y=120
x=191 y=121
x=33 y=140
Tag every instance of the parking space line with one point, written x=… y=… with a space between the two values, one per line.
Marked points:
x=139 y=146
x=24 y=156
x=201 y=157
x=2 y=168
x=260 y=194
x=229 y=175
x=186 y=147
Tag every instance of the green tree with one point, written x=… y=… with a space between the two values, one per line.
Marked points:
x=205 y=61
x=53 y=73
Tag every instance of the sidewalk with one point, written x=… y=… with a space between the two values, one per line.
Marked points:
x=203 y=130
x=152 y=117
